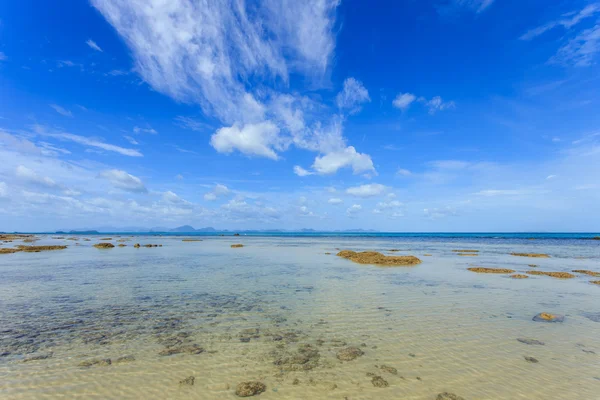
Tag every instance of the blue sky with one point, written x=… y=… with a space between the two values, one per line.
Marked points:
x=433 y=115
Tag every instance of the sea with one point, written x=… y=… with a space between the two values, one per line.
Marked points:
x=194 y=318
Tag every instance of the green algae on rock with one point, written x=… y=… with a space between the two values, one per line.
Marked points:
x=376 y=258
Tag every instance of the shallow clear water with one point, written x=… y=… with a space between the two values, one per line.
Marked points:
x=443 y=328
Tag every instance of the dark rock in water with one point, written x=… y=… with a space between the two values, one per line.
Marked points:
x=349 y=353
x=547 y=317
x=124 y=359
x=38 y=357
x=247 y=389
x=188 y=381
x=100 y=363
x=244 y=339
x=448 y=396
x=378 y=381
x=305 y=358
x=296 y=381
x=531 y=341
x=189 y=349
x=388 y=369
x=592 y=316
x=531 y=359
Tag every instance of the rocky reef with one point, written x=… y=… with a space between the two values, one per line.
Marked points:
x=586 y=272
x=349 y=353
x=237 y=246
x=376 y=258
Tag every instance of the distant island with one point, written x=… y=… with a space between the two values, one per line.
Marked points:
x=191 y=229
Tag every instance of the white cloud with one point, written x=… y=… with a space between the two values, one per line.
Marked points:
x=218 y=191
x=122 y=180
x=179 y=177
x=3 y=190
x=31 y=176
x=549 y=177
x=404 y=100
x=131 y=140
x=437 y=104
x=61 y=110
x=352 y=96
x=567 y=21
x=137 y=129
x=330 y=163
x=335 y=201
x=238 y=209
x=352 y=210
x=222 y=55
x=298 y=170
x=403 y=172
x=260 y=139
x=93 y=45
x=85 y=141
x=369 y=190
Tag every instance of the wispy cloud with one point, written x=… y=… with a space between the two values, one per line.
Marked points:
x=150 y=130
x=61 y=110
x=192 y=124
x=93 y=45
x=218 y=190
x=369 y=190
x=582 y=50
x=2 y=56
x=85 y=141
x=352 y=96
x=131 y=140
x=566 y=21
x=403 y=101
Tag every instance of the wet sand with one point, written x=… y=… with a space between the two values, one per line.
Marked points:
x=285 y=314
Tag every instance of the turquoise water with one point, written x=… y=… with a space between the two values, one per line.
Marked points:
x=256 y=310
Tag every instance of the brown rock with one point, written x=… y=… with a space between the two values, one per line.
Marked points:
x=481 y=270
x=535 y=255
x=37 y=249
x=547 y=317
x=104 y=245
x=466 y=251
x=519 y=276
x=237 y=246
x=560 y=275
x=189 y=381
x=375 y=258
x=586 y=272
x=448 y=396
x=378 y=381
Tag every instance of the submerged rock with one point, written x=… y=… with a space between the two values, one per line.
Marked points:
x=188 y=349
x=104 y=245
x=547 y=317
x=388 y=369
x=535 y=255
x=100 y=363
x=531 y=341
x=189 y=381
x=137 y=245
x=481 y=270
x=373 y=257
x=595 y=282
x=378 y=381
x=252 y=388
x=559 y=275
x=519 y=276
x=466 y=251
x=531 y=360
x=448 y=396
x=38 y=357
x=349 y=353
x=305 y=358
x=124 y=359
x=122 y=245
x=191 y=240
x=593 y=316
x=237 y=246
